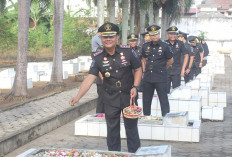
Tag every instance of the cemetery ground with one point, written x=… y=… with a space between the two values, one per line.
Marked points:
x=215 y=140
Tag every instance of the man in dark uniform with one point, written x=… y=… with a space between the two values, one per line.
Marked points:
x=206 y=51
x=199 y=53
x=115 y=64
x=183 y=37
x=145 y=38
x=177 y=70
x=156 y=56
x=137 y=50
x=133 y=42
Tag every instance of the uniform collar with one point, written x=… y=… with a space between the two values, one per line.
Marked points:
x=116 y=51
x=176 y=41
x=158 y=43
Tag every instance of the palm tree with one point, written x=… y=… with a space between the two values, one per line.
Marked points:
x=151 y=12
x=38 y=9
x=125 y=16
x=57 y=68
x=100 y=12
x=112 y=10
x=132 y=16
x=142 y=10
x=19 y=88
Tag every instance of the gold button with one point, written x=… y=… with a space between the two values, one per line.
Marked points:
x=113 y=59
x=152 y=61
x=151 y=71
x=161 y=71
x=120 y=91
x=110 y=68
x=116 y=71
x=153 y=55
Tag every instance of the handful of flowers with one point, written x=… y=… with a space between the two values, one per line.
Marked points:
x=132 y=111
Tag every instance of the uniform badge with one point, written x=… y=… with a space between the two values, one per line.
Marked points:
x=160 y=48
x=148 y=48
x=177 y=46
x=107 y=74
x=121 y=53
x=122 y=57
x=105 y=58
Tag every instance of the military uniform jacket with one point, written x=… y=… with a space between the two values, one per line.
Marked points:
x=116 y=69
x=197 y=50
x=178 y=49
x=137 y=51
x=157 y=56
x=190 y=52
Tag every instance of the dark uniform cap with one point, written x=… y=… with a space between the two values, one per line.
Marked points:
x=192 y=38
x=182 y=34
x=153 y=29
x=144 y=34
x=172 y=30
x=108 y=29
x=132 y=37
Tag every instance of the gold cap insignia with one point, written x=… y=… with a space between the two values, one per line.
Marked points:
x=148 y=48
x=108 y=27
x=173 y=28
x=132 y=36
x=153 y=28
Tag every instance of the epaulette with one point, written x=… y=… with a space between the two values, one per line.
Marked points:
x=166 y=42
x=98 y=52
x=125 y=46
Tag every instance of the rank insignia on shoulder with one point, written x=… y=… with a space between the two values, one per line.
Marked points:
x=98 y=52
x=125 y=46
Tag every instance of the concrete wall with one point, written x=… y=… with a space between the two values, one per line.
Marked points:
x=219 y=30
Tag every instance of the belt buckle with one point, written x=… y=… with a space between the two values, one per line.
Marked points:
x=118 y=84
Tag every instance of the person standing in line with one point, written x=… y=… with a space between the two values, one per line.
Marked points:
x=157 y=56
x=183 y=37
x=206 y=51
x=97 y=45
x=177 y=70
x=115 y=63
x=198 y=59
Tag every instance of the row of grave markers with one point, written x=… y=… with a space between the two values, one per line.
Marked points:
x=41 y=71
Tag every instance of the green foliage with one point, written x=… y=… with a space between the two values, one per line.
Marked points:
x=202 y=34
x=8 y=35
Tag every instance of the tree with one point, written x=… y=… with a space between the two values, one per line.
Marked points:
x=151 y=13
x=38 y=9
x=132 y=16
x=142 y=10
x=112 y=10
x=100 y=12
x=125 y=16
x=57 y=68
x=19 y=89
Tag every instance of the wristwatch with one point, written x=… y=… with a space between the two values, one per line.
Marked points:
x=136 y=87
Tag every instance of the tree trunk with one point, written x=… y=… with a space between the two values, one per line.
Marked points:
x=142 y=19
x=112 y=10
x=156 y=16
x=164 y=23
x=150 y=13
x=100 y=12
x=19 y=89
x=132 y=16
x=125 y=15
x=137 y=15
x=57 y=68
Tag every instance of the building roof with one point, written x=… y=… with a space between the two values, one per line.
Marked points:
x=225 y=4
x=209 y=4
x=220 y=4
x=209 y=14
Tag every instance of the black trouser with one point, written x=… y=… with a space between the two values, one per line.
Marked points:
x=194 y=72
x=187 y=77
x=100 y=106
x=204 y=63
x=113 y=106
x=175 y=80
x=148 y=92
